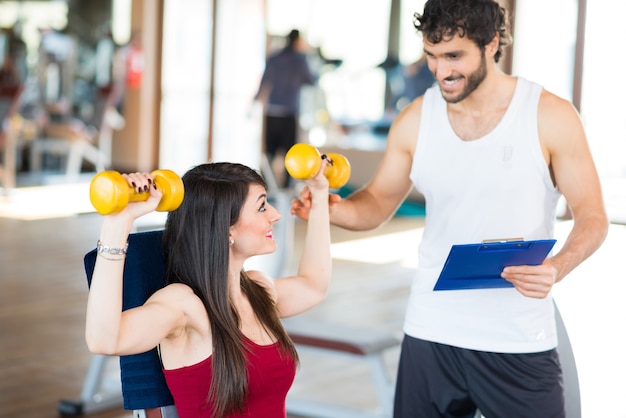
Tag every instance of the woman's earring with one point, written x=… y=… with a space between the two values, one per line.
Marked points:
x=231 y=241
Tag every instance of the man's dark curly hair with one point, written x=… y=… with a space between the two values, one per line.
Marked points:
x=479 y=20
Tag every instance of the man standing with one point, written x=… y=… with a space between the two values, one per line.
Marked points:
x=491 y=154
x=285 y=73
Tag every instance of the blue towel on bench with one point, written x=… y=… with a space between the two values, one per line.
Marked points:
x=143 y=383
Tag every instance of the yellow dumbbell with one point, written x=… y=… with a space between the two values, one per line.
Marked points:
x=303 y=161
x=109 y=192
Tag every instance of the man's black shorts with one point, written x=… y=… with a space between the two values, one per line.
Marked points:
x=437 y=380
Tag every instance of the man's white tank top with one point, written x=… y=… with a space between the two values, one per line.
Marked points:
x=497 y=186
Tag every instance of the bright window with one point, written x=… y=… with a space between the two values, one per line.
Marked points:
x=354 y=31
x=602 y=105
x=545 y=42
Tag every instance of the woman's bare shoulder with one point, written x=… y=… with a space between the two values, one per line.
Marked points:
x=182 y=301
x=179 y=297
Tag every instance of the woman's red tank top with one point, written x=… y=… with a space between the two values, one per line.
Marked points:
x=270 y=375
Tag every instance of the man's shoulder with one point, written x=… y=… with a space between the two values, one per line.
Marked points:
x=414 y=109
x=551 y=103
x=405 y=127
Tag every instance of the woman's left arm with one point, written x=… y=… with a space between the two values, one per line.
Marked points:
x=309 y=287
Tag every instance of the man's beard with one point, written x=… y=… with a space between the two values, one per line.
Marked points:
x=473 y=81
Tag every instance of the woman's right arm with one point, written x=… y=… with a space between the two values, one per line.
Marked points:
x=108 y=330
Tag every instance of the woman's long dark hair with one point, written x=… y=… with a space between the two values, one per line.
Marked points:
x=196 y=246
x=479 y=20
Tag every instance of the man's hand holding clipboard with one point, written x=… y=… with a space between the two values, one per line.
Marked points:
x=533 y=281
x=500 y=263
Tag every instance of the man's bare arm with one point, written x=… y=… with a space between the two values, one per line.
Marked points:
x=575 y=174
x=376 y=202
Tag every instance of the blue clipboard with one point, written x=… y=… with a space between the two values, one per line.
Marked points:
x=478 y=266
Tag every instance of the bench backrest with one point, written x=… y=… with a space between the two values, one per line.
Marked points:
x=143 y=383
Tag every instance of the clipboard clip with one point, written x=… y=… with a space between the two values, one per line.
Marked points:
x=501 y=240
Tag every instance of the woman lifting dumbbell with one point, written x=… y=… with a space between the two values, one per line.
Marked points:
x=216 y=324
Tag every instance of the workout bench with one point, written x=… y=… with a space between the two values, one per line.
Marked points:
x=354 y=343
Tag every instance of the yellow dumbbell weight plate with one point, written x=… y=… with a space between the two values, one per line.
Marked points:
x=338 y=173
x=108 y=192
x=172 y=188
x=303 y=161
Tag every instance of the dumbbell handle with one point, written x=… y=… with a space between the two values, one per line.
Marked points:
x=109 y=192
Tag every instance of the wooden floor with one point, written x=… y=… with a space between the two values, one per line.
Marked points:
x=43 y=357
x=42 y=308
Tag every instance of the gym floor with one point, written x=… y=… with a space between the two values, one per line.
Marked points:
x=43 y=295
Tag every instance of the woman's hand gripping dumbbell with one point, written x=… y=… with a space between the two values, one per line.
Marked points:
x=303 y=162
x=109 y=191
